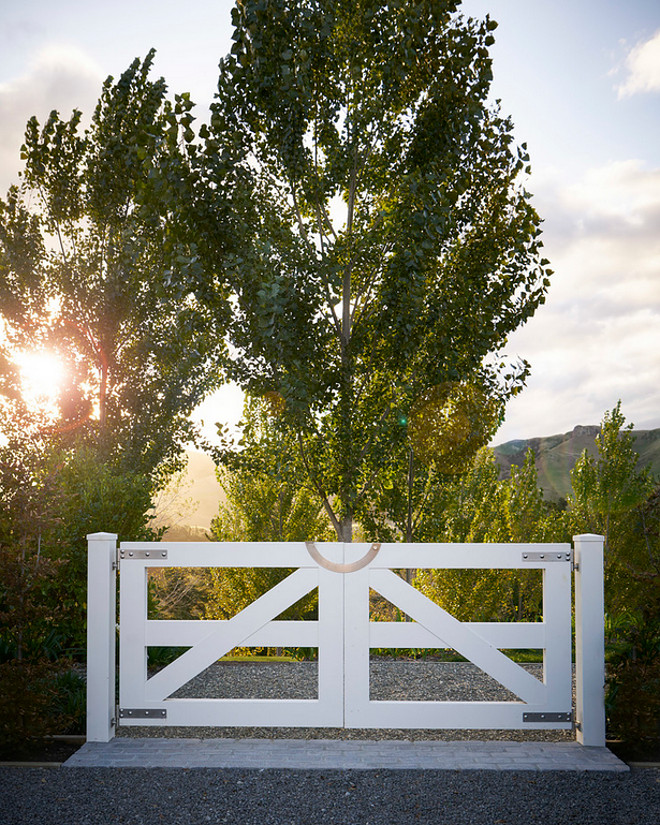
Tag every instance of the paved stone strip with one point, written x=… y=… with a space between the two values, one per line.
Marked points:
x=331 y=754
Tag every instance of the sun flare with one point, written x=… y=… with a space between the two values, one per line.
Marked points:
x=42 y=374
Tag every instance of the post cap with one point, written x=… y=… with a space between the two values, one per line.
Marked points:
x=101 y=537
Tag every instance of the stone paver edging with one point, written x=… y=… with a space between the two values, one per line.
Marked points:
x=302 y=754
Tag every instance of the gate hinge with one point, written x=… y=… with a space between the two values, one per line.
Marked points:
x=142 y=713
x=566 y=555
x=548 y=717
x=142 y=554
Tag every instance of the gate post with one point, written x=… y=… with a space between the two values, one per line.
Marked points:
x=101 y=630
x=589 y=640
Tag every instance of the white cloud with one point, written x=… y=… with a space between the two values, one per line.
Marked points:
x=621 y=188
x=61 y=78
x=642 y=66
x=597 y=338
x=609 y=264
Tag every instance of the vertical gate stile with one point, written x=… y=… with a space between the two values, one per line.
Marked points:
x=331 y=649
x=132 y=637
x=557 y=670
x=356 y=647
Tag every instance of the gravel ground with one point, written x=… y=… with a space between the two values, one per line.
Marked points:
x=84 y=796
x=413 y=680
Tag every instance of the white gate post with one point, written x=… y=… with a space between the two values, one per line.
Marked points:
x=101 y=630
x=589 y=640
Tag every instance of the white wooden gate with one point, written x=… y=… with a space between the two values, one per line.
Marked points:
x=209 y=640
x=344 y=635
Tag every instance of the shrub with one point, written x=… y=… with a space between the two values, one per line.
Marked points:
x=28 y=705
x=633 y=684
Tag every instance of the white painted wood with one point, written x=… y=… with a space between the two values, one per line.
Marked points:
x=330 y=710
x=356 y=655
x=452 y=715
x=290 y=713
x=210 y=639
x=229 y=554
x=344 y=636
x=295 y=554
x=132 y=635
x=458 y=635
x=186 y=633
x=557 y=653
x=508 y=635
x=459 y=556
x=221 y=640
x=589 y=640
x=101 y=622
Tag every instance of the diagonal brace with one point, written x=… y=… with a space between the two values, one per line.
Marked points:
x=221 y=640
x=458 y=635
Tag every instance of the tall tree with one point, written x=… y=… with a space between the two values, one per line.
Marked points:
x=387 y=246
x=611 y=497
x=88 y=250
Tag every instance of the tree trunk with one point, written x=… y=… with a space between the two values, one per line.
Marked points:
x=346 y=529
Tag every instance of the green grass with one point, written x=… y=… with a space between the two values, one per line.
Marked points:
x=524 y=656
x=257 y=658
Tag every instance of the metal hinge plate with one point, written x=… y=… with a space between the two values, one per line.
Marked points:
x=548 y=717
x=546 y=556
x=156 y=555
x=142 y=713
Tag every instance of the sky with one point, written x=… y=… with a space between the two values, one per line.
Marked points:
x=581 y=81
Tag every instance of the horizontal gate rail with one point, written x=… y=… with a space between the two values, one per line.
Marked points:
x=343 y=634
x=185 y=633
x=226 y=554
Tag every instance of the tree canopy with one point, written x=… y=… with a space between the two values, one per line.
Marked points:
x=385 y=245
x=88 y=247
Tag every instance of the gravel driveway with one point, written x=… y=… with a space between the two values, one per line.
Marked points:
x=389 y=679
x=105 y=796
x=126 y=796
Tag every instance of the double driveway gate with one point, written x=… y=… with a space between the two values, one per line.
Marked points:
x=343 y=575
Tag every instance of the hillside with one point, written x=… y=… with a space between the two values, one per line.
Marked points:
x=556 y=455
x=555 y=458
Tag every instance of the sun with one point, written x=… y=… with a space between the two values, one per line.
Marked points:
x=42 y=374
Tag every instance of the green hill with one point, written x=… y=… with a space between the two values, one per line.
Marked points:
x=556 y=456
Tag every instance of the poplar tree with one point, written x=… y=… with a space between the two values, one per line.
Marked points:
x=90 y=246
x=385 y=243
